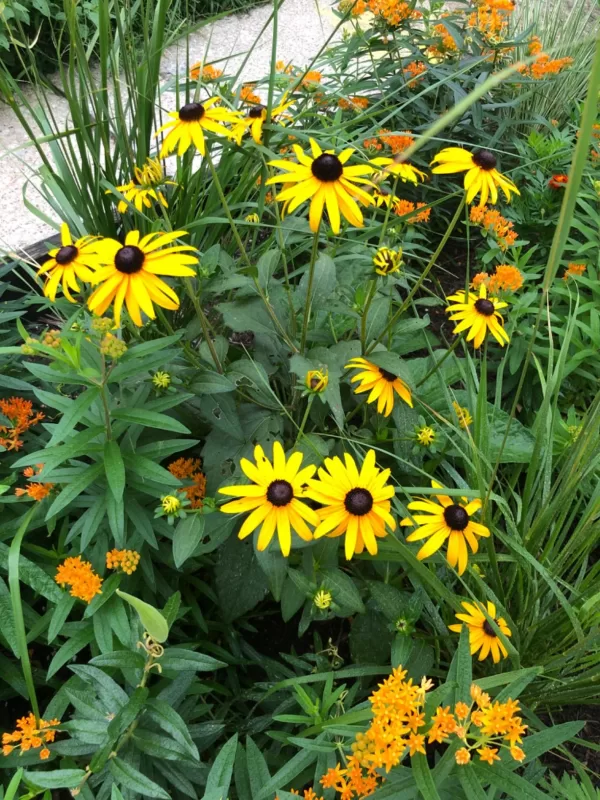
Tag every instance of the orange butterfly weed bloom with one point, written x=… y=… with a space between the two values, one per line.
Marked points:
x=506 y=278
x=414 y=73
x=79 y=575
x=37 y=491
x=558 y=181
x=189 y=468
x=28 y=735
x=206 y=71
x=573 y=270
x=125 y=560
x=493 y=222
x=356 y=103
x=397 y=142
x=21 y=416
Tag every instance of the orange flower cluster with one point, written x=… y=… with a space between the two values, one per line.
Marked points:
x=491 y=19
x=405 y=207
x=281 y=66
x=80 y=576
x=207 y=71
x=355 y=103
x=312 y=76
x=543 y=65
x=572 y=270
x=413 y=72
x=393 y=11
x=493 y=222
x=446 y=45
x=126 y=560
x=28 y=735
x=398 y=143
x=558 y=181
x=506 y=278
x=308 y=794
x=247 y=94
x=185 y=468
x=37 y=491
x=21 y=416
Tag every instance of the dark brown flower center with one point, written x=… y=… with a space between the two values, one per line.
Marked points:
x=191 y=112
x=484 y=159
x=485 y=307
x=327 y=167
x=358 y=502
x=280 y=493
x=456 y=517
x=389 y=376
x=256 y=111
x=129 y=259
x=489 y=630
x=66 y=254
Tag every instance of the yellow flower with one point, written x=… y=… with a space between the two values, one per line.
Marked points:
x=187 y=126
x=387 y=261
x=403 y=170
x=517 y=753
x=489 y=754
x=253 y=218
x=162 y=380
x=464 y=415
x=273 y=498
x=316 y=380
x=255 y=119
x=126 y=560
x=446 y=520
x=482 y=637
x=382 y=197
x=482 y=175
x=170 y=504
x=356 y=503
x=322 y=599
x=478 y=315
x=326 y=181
x=462 y=756
x=131 y=271
x=425 y=436
x=69 y=262
x=143 y=189
x=112 y=346
x=380 y=383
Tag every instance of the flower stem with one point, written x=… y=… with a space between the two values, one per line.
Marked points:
x=309 y=289
x=203 y=324
x=363 y=322
x=304 y=418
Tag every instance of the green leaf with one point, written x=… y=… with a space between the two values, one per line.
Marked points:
x=343 y=590
x=152 y=620
x=171 y=608
x=266 y=266
x=169 y=720
x=471 y=783
x=76 y=643
x=464 y=672
x=130 y=712
x=182 y=660
x=114 y=469
x=149 y=471
x=59 y=616
x=324 y=282
x=219 y=777
x=13 y=786
x=512 y=785
x=423 y=777
x=292 y=768
x=241 y=583
x=75 y=413
x=187 y=537
x=121 y=659
x=207 y=382
x=78 y=485
x=127 y=775
x=539 y=743
x=258 y=770
x=56 y=778
x=149 y=419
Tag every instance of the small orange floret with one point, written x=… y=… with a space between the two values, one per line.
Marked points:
x=29 y=735
x=85 y=584
x=572 y=270
x=21 y=417
x=558 y=181
x=126 y=560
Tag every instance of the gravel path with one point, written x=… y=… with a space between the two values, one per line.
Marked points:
x=304 y=25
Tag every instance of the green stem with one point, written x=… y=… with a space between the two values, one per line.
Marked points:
x=363 y=322
x=105 y=400
x=435 y=368
x=424 y=274
x=304 y=418
x=203 y=323
x=309 y=289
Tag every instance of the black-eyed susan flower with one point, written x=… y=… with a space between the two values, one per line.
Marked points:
x=380 y=383
x=273 y=498
x=444 y=521
x=253 y=219
x=144 y=188
x=187 y=126
x=67 y=263
x=403 y=170
x=383 y=197
x=355 y=503
x=482 y=637
x=482 y=175
x=327 y=182
x=425 y=435
x=255 y=119
x=387 y=261
x=478 y=315
x=130 y=274
x=322 y=599
x=316 y=380
x=463 y=414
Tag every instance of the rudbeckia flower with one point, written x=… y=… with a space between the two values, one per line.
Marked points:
x=446 y=520
x=144 y=187
x=478 y=314
x=273 y=498
x=255 y=119
x=325 y=180
x=387 y=261
x=69 y=262
x=130 y=274
x=356 y=503
x=403 y=170
x=382 y=197
x=380 y=383
x=482 y=175
x=482 y=637
x=187 y=126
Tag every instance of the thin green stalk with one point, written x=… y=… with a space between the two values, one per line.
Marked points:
x=363 y=322
x=203 y=323
x=311 y=398
x=17 y=609
x=424 y=274
x=435 y=368
x=309 y=289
